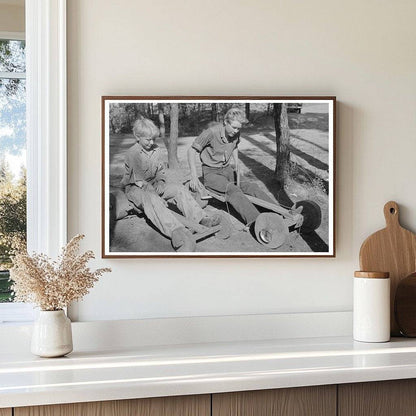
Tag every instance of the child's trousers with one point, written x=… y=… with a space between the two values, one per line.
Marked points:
x=154 y=206
x=222 y=180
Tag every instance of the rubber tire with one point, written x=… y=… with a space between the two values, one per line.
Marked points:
x=312 y=216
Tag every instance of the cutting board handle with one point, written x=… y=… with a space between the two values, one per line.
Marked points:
x=391 y=214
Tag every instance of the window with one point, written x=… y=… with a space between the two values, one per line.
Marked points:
x=12 y=153
x=45 y=135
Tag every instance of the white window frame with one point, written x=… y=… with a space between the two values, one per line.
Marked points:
x=46 y=127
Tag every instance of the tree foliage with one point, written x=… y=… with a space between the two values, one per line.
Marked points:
x=191 y=117
x=12 y=97
x=12 y=56
x=12 y=213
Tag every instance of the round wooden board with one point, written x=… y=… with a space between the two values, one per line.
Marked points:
x=405 y=306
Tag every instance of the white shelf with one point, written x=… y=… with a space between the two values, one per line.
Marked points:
x=150 y=371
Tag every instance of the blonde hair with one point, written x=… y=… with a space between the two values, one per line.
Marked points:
x=235 y=113
x=143 y=127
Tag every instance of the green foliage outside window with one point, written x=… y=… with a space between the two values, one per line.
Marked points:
x=12 y=224
x=12 y=145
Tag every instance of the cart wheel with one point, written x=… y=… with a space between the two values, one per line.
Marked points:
x=271 y=230
x=312 y=216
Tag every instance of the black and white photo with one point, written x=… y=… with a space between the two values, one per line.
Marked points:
x=218 y=176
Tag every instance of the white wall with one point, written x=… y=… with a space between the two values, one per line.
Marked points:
x=363 y=52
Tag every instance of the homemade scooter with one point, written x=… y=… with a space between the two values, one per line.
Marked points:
x=272 y=228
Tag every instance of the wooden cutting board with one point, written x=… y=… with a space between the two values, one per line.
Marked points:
x=405 y=305
x=393 y=250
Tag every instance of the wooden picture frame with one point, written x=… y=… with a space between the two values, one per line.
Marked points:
x=285 y=155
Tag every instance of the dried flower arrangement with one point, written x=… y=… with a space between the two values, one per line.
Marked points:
x=52 y=285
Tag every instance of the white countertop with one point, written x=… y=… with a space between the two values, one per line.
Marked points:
x=151 y=371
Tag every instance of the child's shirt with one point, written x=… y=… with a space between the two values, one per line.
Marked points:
x=143 y=166
x=214 y=147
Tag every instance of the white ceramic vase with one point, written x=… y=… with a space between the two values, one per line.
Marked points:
x=52 y=334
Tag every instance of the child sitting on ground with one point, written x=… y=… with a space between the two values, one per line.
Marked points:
x=147 y=187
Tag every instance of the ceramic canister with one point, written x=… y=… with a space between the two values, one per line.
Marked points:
x=371 y=313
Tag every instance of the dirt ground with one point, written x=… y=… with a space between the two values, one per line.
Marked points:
x=257 y=149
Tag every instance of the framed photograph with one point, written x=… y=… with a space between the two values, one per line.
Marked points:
x=218 y=177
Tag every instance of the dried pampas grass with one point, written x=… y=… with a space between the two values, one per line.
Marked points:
x=53 y=285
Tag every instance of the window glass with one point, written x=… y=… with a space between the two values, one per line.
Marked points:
x=12 y=156
x=12 y=56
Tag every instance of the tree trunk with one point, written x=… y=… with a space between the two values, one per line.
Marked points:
x=173 y=139
x=281 y=124
x=214 y=112
x=112 y=128
x=136 y=111
x=248 y=111
x=162 y=128
x=198 y=115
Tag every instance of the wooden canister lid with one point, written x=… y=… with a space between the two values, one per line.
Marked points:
x=372 y=275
